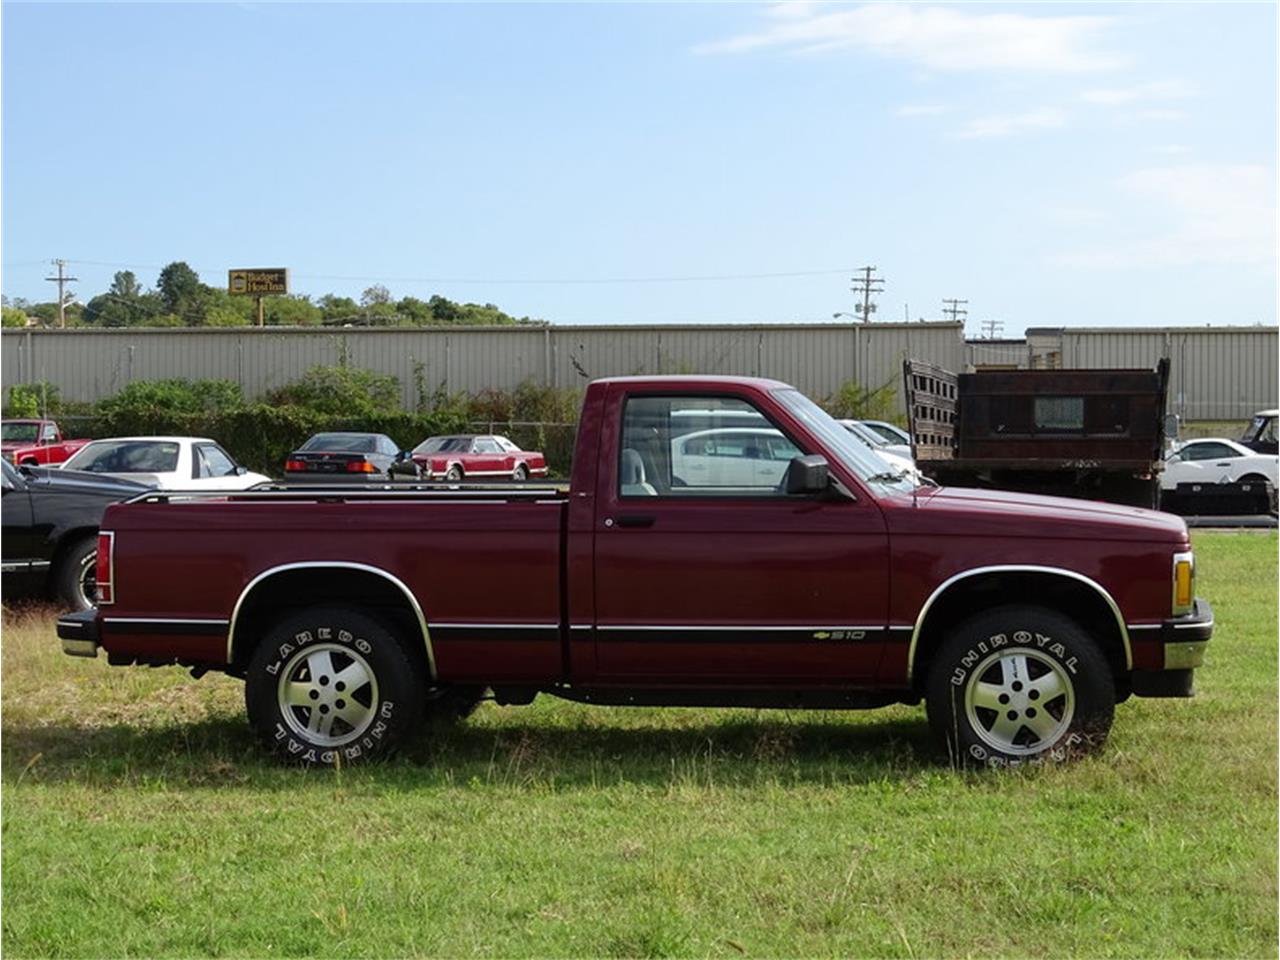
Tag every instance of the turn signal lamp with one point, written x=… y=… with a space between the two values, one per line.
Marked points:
x=361 y=466
x=1184 y=581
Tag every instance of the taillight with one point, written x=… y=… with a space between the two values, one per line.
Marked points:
x=104 y=568
x=294 y=465
x=361 y=466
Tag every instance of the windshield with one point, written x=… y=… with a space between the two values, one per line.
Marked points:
x=20 y=432
x=852 y=452
x=444 y=445
x=125 y=456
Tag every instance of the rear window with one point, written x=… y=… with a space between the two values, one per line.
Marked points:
x=345 y=442
x=126 y=456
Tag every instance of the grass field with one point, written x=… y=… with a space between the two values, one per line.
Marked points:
x=139 y=819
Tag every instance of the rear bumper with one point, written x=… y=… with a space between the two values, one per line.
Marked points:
x=1184 y=640
x=79 y=633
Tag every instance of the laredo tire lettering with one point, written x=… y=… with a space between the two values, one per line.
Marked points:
x=390 y=693
x=988 y=641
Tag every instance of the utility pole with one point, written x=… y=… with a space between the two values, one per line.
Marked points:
x=61 y=280
x=992 y=328
x=954 y=308
x=866 y=285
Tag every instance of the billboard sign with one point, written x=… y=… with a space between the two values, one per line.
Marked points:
x=258 y=282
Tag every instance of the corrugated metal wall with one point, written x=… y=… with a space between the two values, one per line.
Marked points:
x=88 y=365
x=1222 y=373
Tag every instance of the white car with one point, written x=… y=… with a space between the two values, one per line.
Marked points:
x=1216 y=460
x=895 y=436
x=166 y=463
x=732 y=457
x=890 y=453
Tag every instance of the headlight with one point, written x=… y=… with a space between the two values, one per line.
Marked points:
x=1184 y=583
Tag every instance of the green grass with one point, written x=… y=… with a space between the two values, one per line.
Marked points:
x=139 y=819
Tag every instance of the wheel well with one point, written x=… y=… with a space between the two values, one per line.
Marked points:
x=1066 y=596
x=68 y=540
x=281 y=594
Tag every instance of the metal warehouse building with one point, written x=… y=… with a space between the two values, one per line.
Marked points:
x=1218 y=373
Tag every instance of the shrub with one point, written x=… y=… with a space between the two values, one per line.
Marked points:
x=33 y=400
x=341 y=391
x=167 y=397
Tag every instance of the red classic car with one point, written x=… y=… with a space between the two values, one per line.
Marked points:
x=485 y=456
x=1021 y=621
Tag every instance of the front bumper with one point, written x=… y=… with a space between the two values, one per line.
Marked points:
x=79 y=633
x=1184 y=640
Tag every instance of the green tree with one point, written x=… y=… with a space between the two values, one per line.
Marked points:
x=13 y=317
x=335 y=309
x=341 y=391
x=292 y=311
x=125 y=285
x=181 y=292
x=377 y=294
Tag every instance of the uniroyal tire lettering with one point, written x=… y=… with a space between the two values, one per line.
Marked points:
x=998 y=640
x=303 y=636
x=286 y=649
x=281 y=733
x=363 y=646
x=969 y=659
x=1059 y=651
x=352 y=752
x=977 y=751
x=378 y=730
x=328 y=756
x=310 y=756
x=324 y=633
x=273 y=668
x=385 y=710
x=1021 y=636
x=344 y=636
x=957 y=678
x=1070 y=664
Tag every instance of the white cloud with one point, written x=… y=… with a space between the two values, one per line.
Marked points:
x=920 y=110
x=939 y=38
x=1140 y=93
x=1219 y=213
x=1007 y=124
x=1160 y=115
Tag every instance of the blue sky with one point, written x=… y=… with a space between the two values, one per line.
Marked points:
x=1081 y=164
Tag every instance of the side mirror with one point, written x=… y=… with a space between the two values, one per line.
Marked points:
x=807 y=475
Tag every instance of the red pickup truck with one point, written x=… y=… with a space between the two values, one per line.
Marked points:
x=35 y=443
x=353 y=614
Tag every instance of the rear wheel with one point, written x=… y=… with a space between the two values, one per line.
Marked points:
x=332 y=685
x=521 y=473
x=454 y=473
x=75 y=581
x=1019 y=684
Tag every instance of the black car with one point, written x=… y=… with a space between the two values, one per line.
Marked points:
x=348 y=458
x=51 y=520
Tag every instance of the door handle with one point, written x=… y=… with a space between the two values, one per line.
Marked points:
x=636 y=520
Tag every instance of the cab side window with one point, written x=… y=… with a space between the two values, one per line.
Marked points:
x=700 y=447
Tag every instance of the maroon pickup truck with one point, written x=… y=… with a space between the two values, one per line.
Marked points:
x=660 y=576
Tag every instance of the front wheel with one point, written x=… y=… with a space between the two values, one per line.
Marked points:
x=1019 y=684
x=332 y=685
x=453 y=474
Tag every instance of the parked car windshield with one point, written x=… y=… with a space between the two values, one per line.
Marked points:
x=444 y=445
x=20 y=432
x=852 y=452
x=125 y=456
x=346 y=442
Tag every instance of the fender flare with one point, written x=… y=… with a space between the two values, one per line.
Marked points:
x=333 y=564
x=1017 y=568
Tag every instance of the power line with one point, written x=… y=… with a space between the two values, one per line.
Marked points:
x=531 y=281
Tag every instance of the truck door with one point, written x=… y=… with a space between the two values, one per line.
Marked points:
x=717 y=575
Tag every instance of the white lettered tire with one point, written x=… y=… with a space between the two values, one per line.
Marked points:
x=1017 y=685
x=333 y=686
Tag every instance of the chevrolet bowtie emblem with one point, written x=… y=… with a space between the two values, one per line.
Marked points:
x=821 y=635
